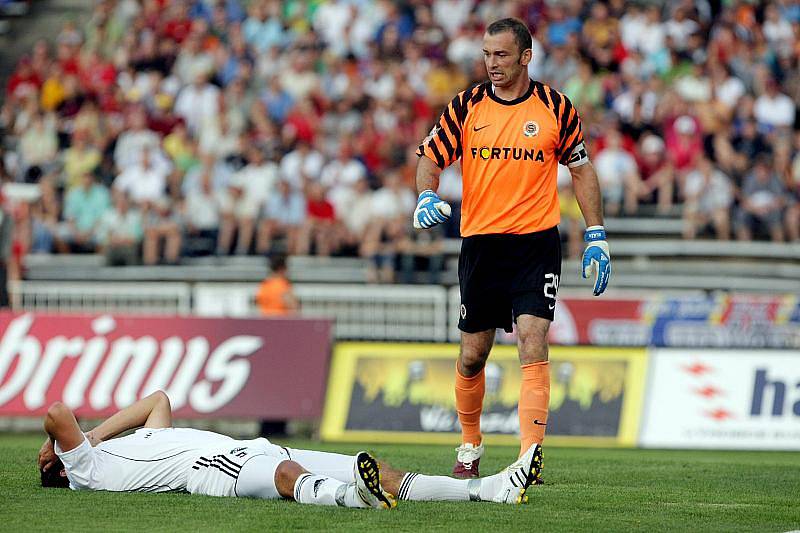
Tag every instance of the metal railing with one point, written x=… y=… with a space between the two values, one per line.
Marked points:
x=376 y=312
x=90 y=297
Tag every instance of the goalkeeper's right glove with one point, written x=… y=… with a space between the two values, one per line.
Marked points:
x=431 y=210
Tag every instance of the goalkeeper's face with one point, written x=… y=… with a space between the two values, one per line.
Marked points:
x=505 y=62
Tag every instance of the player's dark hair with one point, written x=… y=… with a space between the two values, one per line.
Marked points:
x=522 y=36
x=55 y=476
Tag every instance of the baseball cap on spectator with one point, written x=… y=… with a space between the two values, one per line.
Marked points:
x=685 y=125
x=652 y=144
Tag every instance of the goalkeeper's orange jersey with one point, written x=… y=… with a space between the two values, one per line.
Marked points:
x=509 y=153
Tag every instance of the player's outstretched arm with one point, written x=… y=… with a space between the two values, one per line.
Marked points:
x=596 y=257
x=152 y=411
x=431 y=210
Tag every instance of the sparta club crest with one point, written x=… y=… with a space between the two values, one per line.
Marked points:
x=530 y=128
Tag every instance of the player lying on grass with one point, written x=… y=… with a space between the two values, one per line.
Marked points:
x=160 y=458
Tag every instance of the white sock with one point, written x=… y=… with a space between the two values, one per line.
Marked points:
x=321 y=490
x=419 y=487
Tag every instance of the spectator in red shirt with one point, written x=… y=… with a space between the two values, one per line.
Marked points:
x=657 y=173
x=319 y=227
x=24 y=81
x=179 y=25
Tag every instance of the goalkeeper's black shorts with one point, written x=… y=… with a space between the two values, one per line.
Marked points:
x=503 y=276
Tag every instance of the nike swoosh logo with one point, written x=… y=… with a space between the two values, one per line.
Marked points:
x=536 y=421
x=551 y=306
x=474 y=128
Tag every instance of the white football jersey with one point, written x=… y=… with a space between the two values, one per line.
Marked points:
x=149 y=460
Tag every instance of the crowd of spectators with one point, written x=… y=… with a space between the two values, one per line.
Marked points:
x=158 y=129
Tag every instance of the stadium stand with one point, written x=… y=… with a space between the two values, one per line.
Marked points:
x=207 y=134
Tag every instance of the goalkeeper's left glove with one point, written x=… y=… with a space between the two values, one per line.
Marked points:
x=596 y=258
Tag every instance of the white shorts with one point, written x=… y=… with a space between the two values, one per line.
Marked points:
x=247 y=469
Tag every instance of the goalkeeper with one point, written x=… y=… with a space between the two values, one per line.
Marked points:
x=510 y=133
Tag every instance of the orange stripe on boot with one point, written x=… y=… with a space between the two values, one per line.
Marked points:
x=534 y=399
x=469 y=404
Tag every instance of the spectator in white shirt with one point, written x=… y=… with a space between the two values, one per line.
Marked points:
x=708 y=197
x=198 y=103
x=284 y=215
x=618 y=175
x=653 y=36
x=392 y=204
x=355 y=214
x=38 y=146
x=247 y=191
x=726 y=87
x=679 y=28
x=162 y=233
x=301 y=165
x=119 y=233
x=136 y=139
x=341 y=174
x=778 y=31
x=202 y=215
x=773 y=108
x=143 y=182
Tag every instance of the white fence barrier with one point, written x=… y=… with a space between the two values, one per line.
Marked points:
x=376 y=312
x=109 y=297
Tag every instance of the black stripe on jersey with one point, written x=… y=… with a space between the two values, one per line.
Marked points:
x=542 y=94
x=195 y=467
x=445 y=141
x=145 y=460
x=566 y=129
x=455 y=130
x=578 y=139
x=288 y=454
x=459 y=109
x=479 y=94
x=556 y=98
x=465 y=98
x=436 y=153
x=570 y=129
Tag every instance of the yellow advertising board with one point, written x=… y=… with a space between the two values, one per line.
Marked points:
x=403 y=393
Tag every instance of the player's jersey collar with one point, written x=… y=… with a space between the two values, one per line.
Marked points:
x=528 y=93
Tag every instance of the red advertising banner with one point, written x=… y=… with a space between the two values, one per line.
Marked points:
x=257 y=368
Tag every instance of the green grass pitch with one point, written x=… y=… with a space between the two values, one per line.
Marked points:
x=586 y=490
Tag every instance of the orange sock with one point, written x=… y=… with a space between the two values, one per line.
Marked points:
x=534 y=399
x=469 y=403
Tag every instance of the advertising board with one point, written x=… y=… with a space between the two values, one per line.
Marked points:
x=381 y=392
x=97 y=364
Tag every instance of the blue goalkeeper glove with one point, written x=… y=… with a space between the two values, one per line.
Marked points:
x=431 y=210
x=596 y=258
